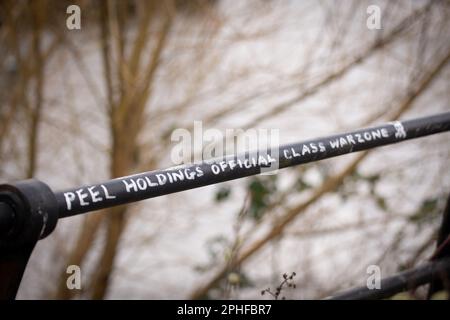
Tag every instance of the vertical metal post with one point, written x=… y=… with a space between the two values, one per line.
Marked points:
x=28 y=212
x=442 y=280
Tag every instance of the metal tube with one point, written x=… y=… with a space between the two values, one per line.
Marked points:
x=6 y=217
x=161 y=182
x=407 y=280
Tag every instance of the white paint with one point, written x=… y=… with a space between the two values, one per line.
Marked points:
x=81 y=196
x=105 y=191
x=135 y=184
x=359 y=138
x=400 y=132
x=69 y=196
x=94 y=195
x=88 y=195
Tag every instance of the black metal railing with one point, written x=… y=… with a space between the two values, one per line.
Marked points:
x=435 y=272
x=29 y=210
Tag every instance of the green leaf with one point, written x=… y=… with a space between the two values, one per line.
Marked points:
x=302 y=185
x=223 y=193
x=260 y=189
x=426 y=212
x=381 y=202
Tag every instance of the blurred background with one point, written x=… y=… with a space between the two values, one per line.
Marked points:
x=84 y=105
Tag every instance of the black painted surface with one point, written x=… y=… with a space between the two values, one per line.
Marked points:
x=116 y=189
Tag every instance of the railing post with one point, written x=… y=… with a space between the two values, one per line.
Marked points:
x=28 y=212
x=442 y=280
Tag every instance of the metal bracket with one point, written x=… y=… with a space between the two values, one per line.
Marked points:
x=28 y=212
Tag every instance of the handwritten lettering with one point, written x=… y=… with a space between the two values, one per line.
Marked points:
x=359 y=138
x=137 y=183
x=160 y=179
x=88 y=195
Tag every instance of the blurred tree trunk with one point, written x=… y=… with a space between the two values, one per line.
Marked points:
x=27 y=65
x=38 y=18
x=126 y=123
x=23 y=89
x=133 y=79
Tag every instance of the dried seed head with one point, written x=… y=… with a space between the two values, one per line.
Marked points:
x=234 y=278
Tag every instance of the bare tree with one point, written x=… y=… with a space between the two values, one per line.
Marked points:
x=143 y=68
